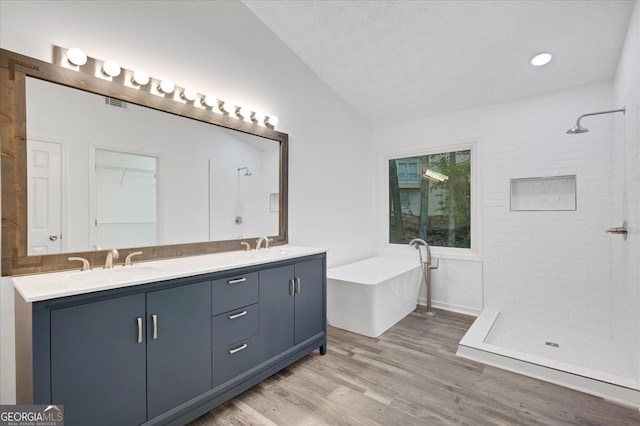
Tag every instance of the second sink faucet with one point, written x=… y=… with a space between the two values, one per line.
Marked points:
x=259 y=243
x=111 y=254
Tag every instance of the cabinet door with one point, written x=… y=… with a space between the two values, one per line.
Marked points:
x=308 y=300
x=178 y=345
x=98 y=363
x=276 y=310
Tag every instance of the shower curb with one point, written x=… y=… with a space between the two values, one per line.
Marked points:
x=473 y=347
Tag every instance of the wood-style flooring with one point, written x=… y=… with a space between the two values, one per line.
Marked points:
x=410 y=376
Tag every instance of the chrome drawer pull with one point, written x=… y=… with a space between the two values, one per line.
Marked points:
x=139 y=320
x=291 y=286
x=236 y=281
x=298 y=289
x=241 y=314
x=233 y=351
x=154 y=317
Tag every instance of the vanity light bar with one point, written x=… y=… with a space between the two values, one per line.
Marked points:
x=77 y=60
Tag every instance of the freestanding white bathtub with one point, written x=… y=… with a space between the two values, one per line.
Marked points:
x=369 y=296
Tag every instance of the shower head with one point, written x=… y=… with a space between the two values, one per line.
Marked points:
x=577 y=129
x=246 y=173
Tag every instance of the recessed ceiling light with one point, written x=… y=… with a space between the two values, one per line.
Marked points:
x=541 y=59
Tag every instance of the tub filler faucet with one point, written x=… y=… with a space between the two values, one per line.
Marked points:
x=426 y=268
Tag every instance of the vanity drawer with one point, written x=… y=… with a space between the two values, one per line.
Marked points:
x=233 y=326
x=233 y=292
x=232 y=360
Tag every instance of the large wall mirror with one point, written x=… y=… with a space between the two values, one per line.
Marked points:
x=90 y=165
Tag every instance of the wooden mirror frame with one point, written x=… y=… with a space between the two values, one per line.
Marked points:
x=14 y=68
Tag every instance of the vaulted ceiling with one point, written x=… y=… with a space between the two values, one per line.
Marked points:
x=399 y=60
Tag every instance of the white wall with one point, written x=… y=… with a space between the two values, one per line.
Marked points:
x=222 y=48
x=532 y=261
x=626 y=177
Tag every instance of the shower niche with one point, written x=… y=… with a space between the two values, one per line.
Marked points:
x=551 y=193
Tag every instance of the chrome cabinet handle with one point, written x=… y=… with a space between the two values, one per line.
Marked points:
x=236 y=281
x=241 y=314
x=154 y=317
x=298 y=287
x=53 y=237
x=291 y=287
x=139 y=320
x=243 y=347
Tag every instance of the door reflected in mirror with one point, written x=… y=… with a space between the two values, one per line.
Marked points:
x=130 y=176
x=44 y=189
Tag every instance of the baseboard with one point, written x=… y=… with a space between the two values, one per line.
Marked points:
x=461 y=309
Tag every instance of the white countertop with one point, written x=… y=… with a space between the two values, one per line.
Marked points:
x=39 y=287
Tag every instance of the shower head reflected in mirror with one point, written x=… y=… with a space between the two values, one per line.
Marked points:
x=577 y=129
x=246 y=173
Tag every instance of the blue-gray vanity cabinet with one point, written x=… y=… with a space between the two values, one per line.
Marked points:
x=178 y=345
x=235 y=291
x=97 y=364
x=276 y=310
x=103 y=360
x=309 y=293
x=292 y=307
x=166 y=352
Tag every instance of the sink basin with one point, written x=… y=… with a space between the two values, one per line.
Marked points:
x=118 y=273
x=272 y=253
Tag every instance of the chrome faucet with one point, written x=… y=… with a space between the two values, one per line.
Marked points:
x=111 y=254
x=85 y=263
x=127 y=260
x=259 y=243
x=246 y=245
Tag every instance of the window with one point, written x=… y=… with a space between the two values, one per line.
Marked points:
x=408 y=175
x=430 y=198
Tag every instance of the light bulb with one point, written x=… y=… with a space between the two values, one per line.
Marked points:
x=76 y=56
x=209 y=101
x=229 y=108
x=167 y=86
x=245 y=113
x=273 y=120
x=258 y=117
x=189 y=94
x=111 y=68
x=141 y=78
x=541 y=59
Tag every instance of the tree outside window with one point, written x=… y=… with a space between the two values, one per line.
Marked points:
x=430 y=198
